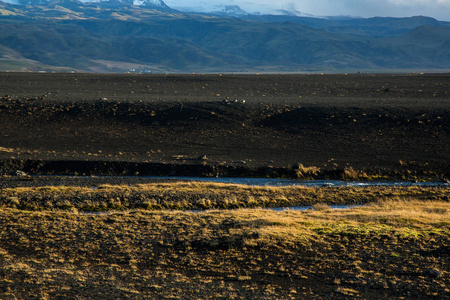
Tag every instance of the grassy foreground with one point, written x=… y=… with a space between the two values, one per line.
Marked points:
x=202 y=195
x=398 y=246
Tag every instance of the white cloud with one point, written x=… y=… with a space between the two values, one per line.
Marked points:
x=439 y=9
x=368 y=8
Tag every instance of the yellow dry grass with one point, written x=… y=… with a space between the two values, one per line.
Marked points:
x=150 y=254
x=257 y=227
x=205 y=195
x=404 y=217
x=3 y=149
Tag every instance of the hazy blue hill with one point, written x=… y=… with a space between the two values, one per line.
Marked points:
x=73 y=46
x=379 y=27
x=428 y=36
x=102 y=37
x=240 y=42
x=426 y=43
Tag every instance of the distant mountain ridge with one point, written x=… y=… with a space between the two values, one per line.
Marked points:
x=118 y=36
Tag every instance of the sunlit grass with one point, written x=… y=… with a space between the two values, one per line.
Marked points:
x=57 y=250
x=262 y=226
x=205 y=195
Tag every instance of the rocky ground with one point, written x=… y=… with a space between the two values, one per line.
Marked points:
x=358 y=126
x=376 y=123
x=369 y=253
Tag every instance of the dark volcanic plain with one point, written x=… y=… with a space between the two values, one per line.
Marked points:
x=358 y=126
x=382 y=124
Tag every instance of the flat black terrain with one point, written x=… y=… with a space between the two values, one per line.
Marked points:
x=396 y=246
x=375 y=123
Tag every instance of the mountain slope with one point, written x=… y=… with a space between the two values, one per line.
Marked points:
x=102 y=37
x=374 y=27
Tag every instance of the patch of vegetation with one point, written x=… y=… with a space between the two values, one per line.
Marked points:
x=302 y=172
x=239 y=253
x=204 y=195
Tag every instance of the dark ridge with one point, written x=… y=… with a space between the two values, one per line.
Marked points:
x=124 y=168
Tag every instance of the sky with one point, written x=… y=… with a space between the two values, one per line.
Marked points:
x=439 y=9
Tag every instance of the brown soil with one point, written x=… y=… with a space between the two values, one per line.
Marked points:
x=377 y=123
x=252 y=254
x=347 y=126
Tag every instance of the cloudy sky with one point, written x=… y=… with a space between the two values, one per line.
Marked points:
x=439 y=9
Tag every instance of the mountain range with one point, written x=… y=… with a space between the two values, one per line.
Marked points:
x=150 y=36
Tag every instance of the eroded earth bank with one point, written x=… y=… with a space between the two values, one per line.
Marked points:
x=226 y=125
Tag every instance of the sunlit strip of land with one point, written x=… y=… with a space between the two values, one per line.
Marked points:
x=203 y=195
x=392 y=248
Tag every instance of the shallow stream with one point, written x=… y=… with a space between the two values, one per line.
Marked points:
x=296 y=208
x=307 y=183
x=275 y=183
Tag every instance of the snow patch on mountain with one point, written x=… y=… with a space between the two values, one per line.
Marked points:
x=206 y=6
x=230 y=10
x=235 y=8
x=152 y=3
x=294 y=13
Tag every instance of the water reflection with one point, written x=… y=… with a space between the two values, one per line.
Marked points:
x=307 y=183
x=305 y=208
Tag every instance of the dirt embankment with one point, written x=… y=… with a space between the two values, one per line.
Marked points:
x=393 y=125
